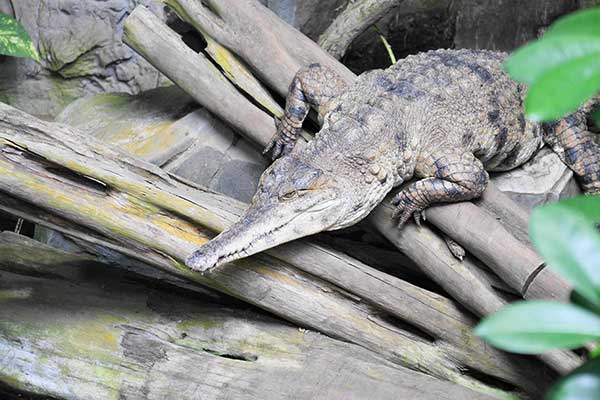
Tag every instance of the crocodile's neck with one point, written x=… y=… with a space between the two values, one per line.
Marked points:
x=371 y=163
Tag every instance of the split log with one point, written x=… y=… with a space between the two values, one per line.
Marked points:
x=107 y=197
x=72 y=328
x=153 y=40
x=354 y=20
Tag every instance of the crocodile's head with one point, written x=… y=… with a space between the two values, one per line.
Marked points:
x=294 y=199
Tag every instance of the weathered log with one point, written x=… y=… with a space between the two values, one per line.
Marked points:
x=136 y=208
x=354 y=20
x=460 y=278
x=76 y=329
x=140 y=31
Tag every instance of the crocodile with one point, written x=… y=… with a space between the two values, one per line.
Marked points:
x=436 y=122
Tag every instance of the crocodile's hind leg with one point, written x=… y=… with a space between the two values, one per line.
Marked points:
x=575 y=146
x=450 y=175
x=315 y=86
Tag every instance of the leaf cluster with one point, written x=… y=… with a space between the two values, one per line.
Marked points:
x=562 y=69
x=14 y=39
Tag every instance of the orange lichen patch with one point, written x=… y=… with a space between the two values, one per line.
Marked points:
x=180 y=229
x=160 y=219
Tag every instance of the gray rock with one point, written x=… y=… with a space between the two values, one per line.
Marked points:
x=81 y=48
x=543 y=179
x=311 y=17
x=166 y=127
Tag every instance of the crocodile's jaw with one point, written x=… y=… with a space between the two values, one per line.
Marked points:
x=263 y=228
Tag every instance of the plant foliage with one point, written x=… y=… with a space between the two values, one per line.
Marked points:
x=14 y=39
x=566 y=235
x=562 y=68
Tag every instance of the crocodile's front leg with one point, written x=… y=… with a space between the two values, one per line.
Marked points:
x=315 y=86
x=450 y=175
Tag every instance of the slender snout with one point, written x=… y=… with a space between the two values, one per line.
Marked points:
x=204 y=259
x=223 y=248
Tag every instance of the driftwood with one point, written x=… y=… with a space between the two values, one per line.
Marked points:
x=519 y=267
x=354 y=20
x=100 y=194
x=77 y=329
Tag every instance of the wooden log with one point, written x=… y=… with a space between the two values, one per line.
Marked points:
x=208 y=88
x=144 y=30
x=514 y=261
x=354 y=20
x=157 y=218
x=75 y=329
x=264 y=42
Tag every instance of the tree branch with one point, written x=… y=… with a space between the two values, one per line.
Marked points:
x=114 y=334
x=354 y=20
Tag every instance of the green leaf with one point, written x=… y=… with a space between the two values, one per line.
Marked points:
x=581 y=384
x=532 y=327
x=596 y=118
x=564 y=88
x=583 y=302
x=585 y=22
x=529 y=62
x=14 y=39
x=564 y=234
x=596 y=352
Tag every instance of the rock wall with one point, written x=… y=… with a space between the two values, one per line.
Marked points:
x=81 y=53
x=166 y=127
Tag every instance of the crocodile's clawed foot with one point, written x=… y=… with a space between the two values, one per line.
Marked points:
x=405 y=207
x=282 y=142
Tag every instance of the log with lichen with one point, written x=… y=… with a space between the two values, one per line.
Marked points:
x=57 y=176
x=113 y=201
x=73 y=328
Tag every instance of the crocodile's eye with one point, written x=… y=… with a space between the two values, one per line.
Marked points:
x=289 y=195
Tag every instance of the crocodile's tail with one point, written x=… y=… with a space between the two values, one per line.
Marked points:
x=576 y=147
